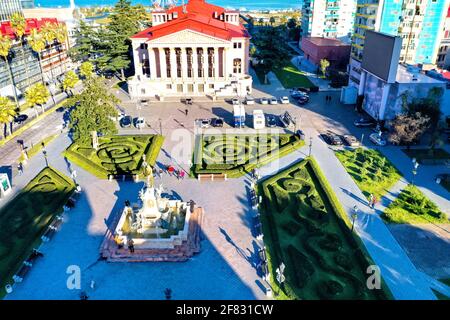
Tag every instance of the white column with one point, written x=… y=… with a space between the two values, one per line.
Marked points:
x=137 y=60
x=173 y=63
x=194 y=63
x=162 y=62
x=151 y=57
x=184 y=64
x=216 y=62
x=205 y=63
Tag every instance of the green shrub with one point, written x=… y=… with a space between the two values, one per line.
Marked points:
x=302 y=267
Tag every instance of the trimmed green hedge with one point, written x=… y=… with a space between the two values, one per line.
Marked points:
x=312 y=230
x=116 y=154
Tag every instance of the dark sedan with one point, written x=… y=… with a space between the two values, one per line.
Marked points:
x=363 y=122
x=332 y=139
x=271 y=121
x=20 y=118
x=217 y=122
x=126 y=122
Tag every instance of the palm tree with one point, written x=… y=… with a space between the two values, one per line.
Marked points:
x=37 y=43
x=37 y=95
x=5 y=47
x=61 y=38
x=19 y=25
x=7 y=114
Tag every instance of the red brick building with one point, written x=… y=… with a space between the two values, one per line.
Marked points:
x=335 y=51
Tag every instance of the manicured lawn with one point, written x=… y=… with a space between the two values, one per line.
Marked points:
x=411 y=206
x=306 y=228
x=116 y=154
x=372 y=172
x=426 y=154
x=237 y=155
x=24 y=219
x=291 y=77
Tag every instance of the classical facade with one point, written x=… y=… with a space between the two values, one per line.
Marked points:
x=196 y=49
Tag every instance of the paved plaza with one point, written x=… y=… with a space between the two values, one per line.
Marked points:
x=225 y=267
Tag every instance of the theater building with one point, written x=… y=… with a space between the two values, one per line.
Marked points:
x=197 y=49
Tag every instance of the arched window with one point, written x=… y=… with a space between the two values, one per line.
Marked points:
x=237 y=66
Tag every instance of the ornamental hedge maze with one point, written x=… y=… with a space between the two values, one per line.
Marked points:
x=116 y=155
x=303 y=229
x=237 y=155
x=25 y=218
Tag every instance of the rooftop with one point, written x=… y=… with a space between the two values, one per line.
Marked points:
x=319 y=41
x=406 y=76
x=196 y=15
x=5 y=26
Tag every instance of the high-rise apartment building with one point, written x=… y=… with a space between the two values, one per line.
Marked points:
x=443 y=56
x=418 y=22
x=8 y=7
x=328 y=18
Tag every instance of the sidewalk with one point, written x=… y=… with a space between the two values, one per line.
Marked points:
x=424 y=179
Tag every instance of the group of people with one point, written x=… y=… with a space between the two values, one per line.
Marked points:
x=372 y=201
x=178 y=173
x=327 y=98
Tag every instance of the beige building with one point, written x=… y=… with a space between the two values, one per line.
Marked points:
x=192 y=50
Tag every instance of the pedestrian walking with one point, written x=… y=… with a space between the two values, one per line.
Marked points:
x=171 y=170
x=131 y=245
x=374 y=202
x=182 y=173
x=20 y=168
x=370 y=200
x=186 y=111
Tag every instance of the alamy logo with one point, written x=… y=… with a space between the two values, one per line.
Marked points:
x=74 y=278
x=374 y=280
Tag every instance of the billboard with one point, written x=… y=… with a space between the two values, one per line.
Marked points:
x=381 y=55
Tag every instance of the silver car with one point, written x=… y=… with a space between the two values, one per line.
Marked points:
x=273 y=100
x=264 y=101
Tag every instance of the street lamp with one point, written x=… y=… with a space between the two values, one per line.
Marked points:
x=354 y=216
x=414 y=170
x=45 y=157
x=310 y=146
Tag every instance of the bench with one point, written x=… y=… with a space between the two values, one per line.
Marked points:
x=124 y=177
x=212 y=177
x=33 y=257
x=24 y=269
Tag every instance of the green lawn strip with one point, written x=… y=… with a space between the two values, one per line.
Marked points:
x=412 y=206
x=116 y=154
x=445 y=281
x=372 y=172
x=237 y=155
x=25 y=218
x=427 y=154
x=291 y=77
x=440 y=296
x=34 y=150
x=29 y=124
x=260 y=74
x=306 y=228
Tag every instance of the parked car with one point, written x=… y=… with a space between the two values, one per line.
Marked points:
x=303 y=100
x=204 y=123
x=377 y=139
x=235 y=101
x=298 y=94
x=273 y=100
x=332 y=139
x=284 y=100
x=271 y=121
x=20 y=118
x=364 y=122
x=264 y=101
x=139 y=122
x=187 y=101
x=126 y=121
x=249 y=100
x=217 y=122
x=351 y=140
x=143 y=102
x=300 y=134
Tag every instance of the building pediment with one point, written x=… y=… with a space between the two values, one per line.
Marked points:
x=188 y=38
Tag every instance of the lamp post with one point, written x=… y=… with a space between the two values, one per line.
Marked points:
x=414 y=169
x=354 y=216
x=45 y=157
x=310 y=146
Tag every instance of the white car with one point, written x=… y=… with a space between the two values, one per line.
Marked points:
x=235 y=101
x=249 y=100
x=264 y=101
x=284 y=100
x=139 y=122
x=377 y=139
x=204 y=123
x=273 y=100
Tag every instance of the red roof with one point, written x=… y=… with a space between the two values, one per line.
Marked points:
x=5 y=26
x=197 y=16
